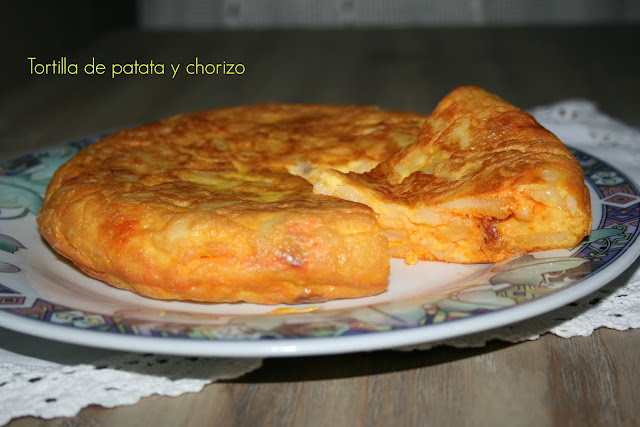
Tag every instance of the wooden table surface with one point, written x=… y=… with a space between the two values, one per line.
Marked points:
x=591 y=380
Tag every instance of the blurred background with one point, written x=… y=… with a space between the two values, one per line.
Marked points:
x=403 y=54
x=176 y=14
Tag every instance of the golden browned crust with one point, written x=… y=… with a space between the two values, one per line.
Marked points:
x=201 y=206
x=483 y=182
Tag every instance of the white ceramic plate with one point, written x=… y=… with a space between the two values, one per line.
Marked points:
x=44 y=295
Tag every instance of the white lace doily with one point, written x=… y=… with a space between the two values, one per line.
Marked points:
x=37 y=386
x=33 y=387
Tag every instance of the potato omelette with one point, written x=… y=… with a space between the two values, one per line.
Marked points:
x=291 y=203
x=201 y=206
x=482 y=183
